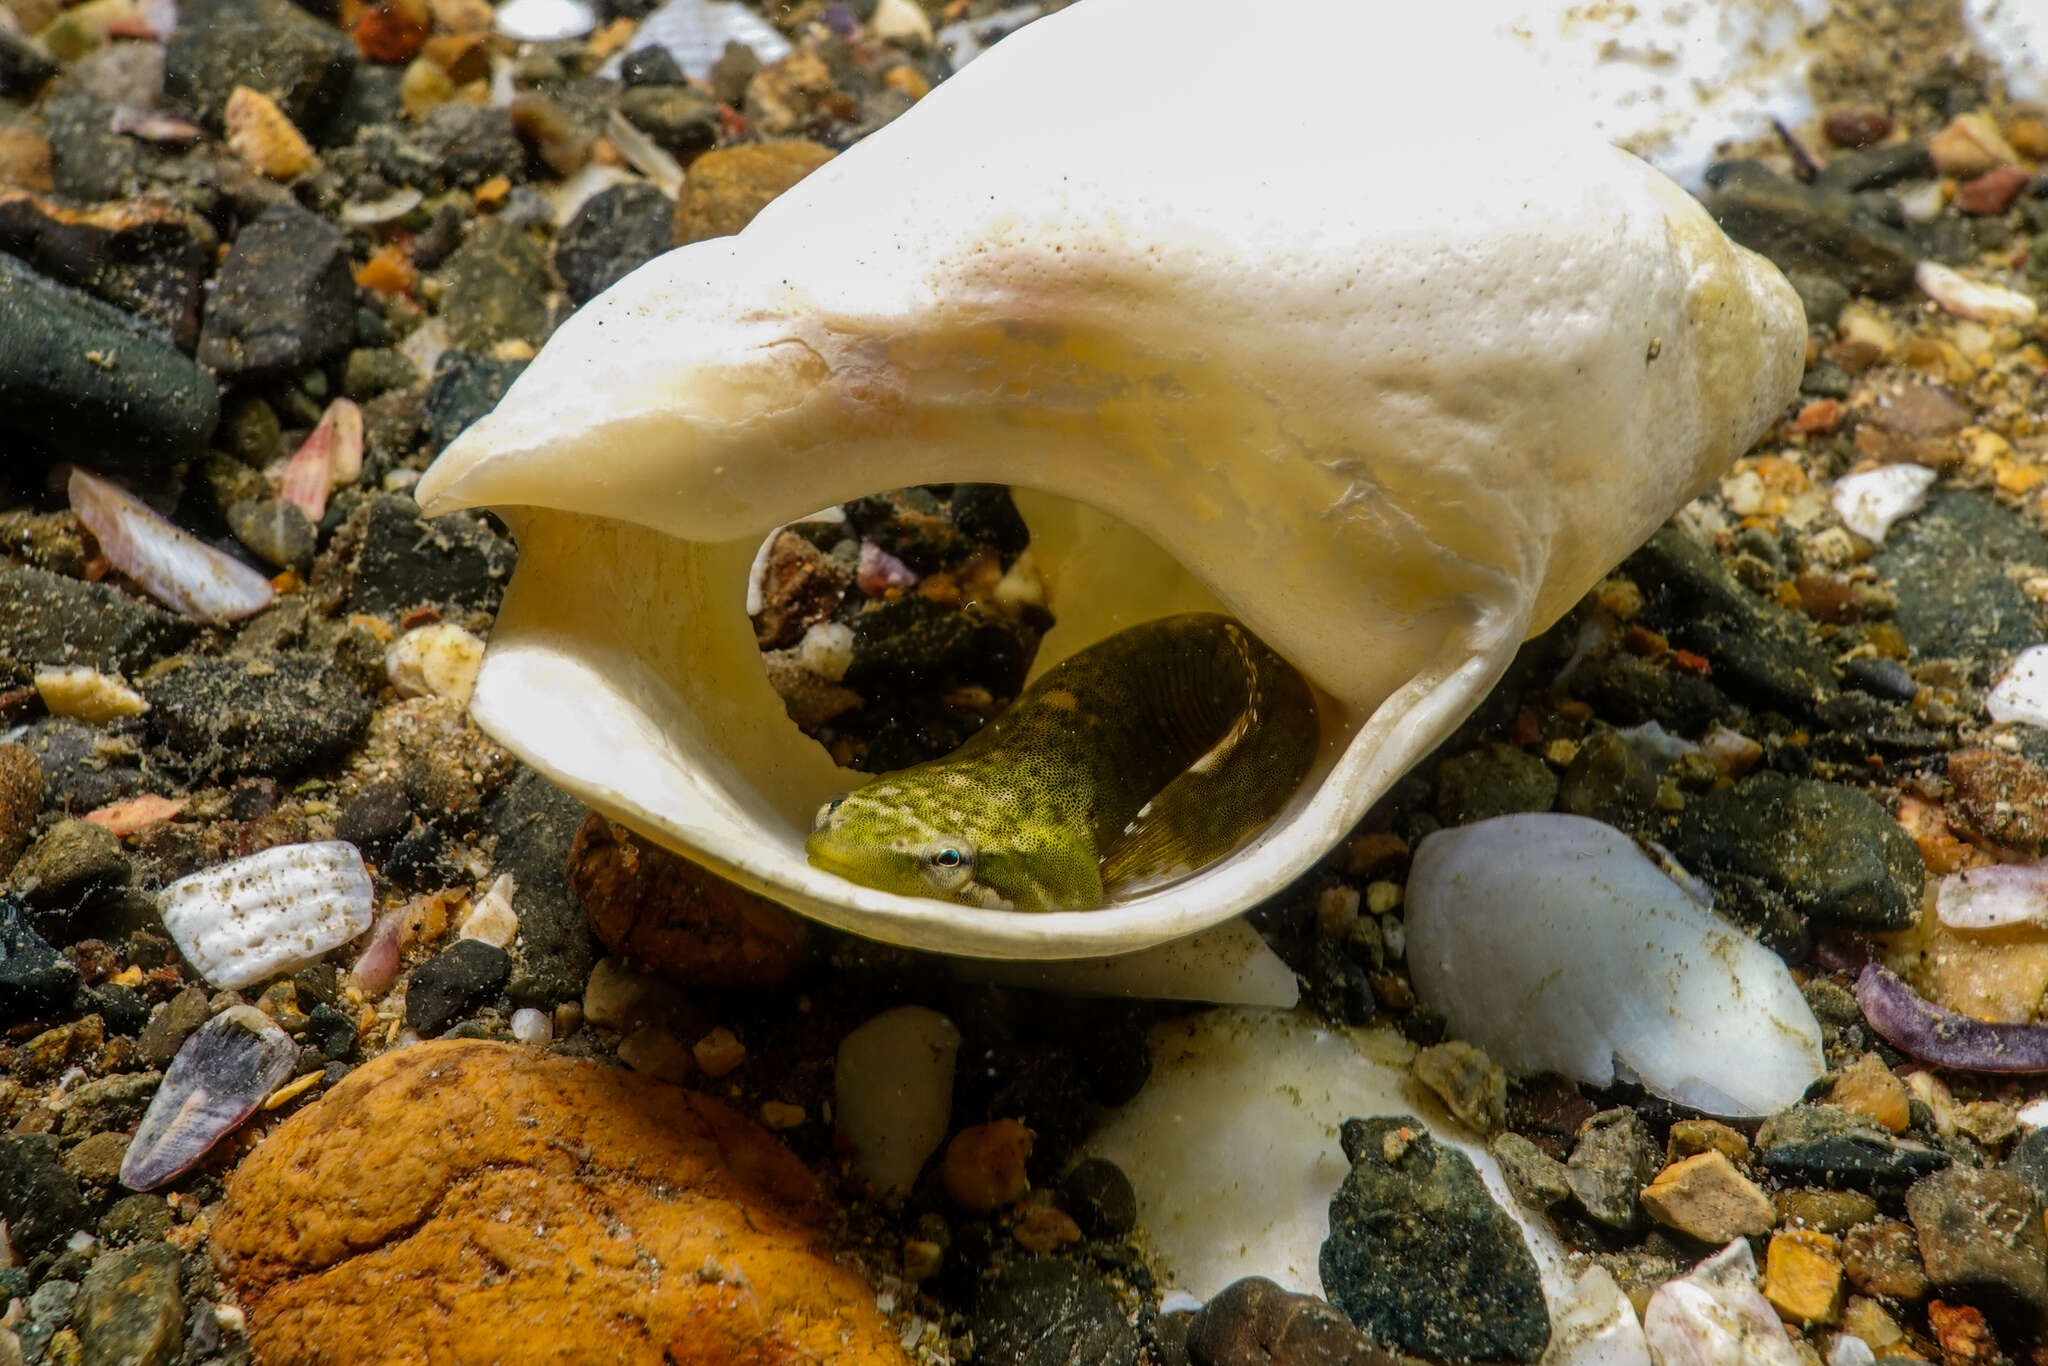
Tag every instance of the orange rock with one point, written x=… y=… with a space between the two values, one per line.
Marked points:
x=1868 y=1088
x=391 y=31
x=1803 y=1276
x=388 y=271
x=677 y=919
x=25 y=159
x=983 y=1168
x=1964 y=1336
x=470 y=1202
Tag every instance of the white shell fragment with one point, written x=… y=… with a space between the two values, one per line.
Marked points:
x=218 y=1079
x=532 y=1026
x=545 y=21
x=892 y=1093
x=1218 y=378
x=1963 y=297
x=695 y=33
x=171 y=565
x=903 y=22
x=1870 y=501
x=1717 y=1317
x=86 y=694
x=2021 y=692
x=1992 y=897
x=438 y=660
x=1232 y=1147
x=270 y=912
x=1597 y=1326
x=492 y=919
x=1556 y=945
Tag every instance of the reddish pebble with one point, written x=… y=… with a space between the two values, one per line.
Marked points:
x=391 y=32
x=1993 y=192
x=1819 y=417
x=1686 y=662
x=1964 y=1336
x=1857 y=127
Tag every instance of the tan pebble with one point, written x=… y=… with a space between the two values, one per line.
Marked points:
x=2028 y=135
x=719 y=1052
x=908 y=80
x=86 y=694
x=1865 y=1318
x=1045 y=1228
x=1867 y=1087
x=492 y=919
x=261 y=134
x=781 y=1115
x=292 y=1090
x=726 y=187
x=25 y=160
x=983 y=1168
x=654 y=1052
x=424 y=86
x=461 y=16
x=1471 y=1086
x=1969 y=146
x=1824 y=1211
x=1383 y=897
x=440 y=660
x=1704 y=1197
x=1803 y=1277
x=1691 y=1136
x=1336 y=911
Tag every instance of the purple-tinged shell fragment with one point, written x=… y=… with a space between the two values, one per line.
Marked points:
x=1917 y=1026
x=224 y=1071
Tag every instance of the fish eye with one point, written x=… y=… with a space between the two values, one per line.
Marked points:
x=825 y=811
x=949 y=866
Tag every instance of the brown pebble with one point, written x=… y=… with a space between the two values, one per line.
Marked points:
x=1964 y=1336
x=548 y=129
x=677 y=919
x=983 y=1168
x=727 y=186
x=1993 y=192
x=263 y=135
x=1856 y=127
x=1999 y=796
x=25 y=160
x=391 y=31
x=1704 y=1197
x=2029 y=136
x=1045 y=1228
x=1883 y=1258
x=1922 y=411
x=1969 y=146
x=1819 y=417
x=21 y=797
x=1867 y=1087
x=1690 y=1136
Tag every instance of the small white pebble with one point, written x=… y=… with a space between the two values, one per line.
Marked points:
x=81 y=1241
x=1846 y=1349
x=2034 y=1114
x=1394 y=934
x=230 y=1318
x=492 y=918
x=827 y=650
x=2021 y=694
x=439 y=660
x=545 y=21
x=1993 y=897
x=1868 y=503
x=532 y=1026
x=86 y=694
x=1921 y=202
x=1179 y=1302
x=892 y=1082
x=1020 y=585
x=1966 y=298
x=1745 y=493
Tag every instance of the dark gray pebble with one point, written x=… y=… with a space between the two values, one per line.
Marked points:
x=69 y=865
x=1098 y=1196
x=652 y=65
x=38 y=1197
x=275 y=530
x=1876 y=168
x=402 y=561
x=275 y=717
x=51 y=619
x=134 y=1219
x=682 y=120
x=36 y=981
x=495 y=289
x=284 y=298
x=1981 y=1237
x=1809 y=228
x=1050 y=1312
x=170 y=1025
x=81 y=378
x=148 y=258
x=1613 y=1160
x=465 y=387
x=1420 y=1257
x=1493 y=780
x=1836 y=1148
x=616 y=230
x=25 y=65
x=1886 y=678
x=332 y=1032
x=533 y=823
x=453 y=982
x=375 y=815
x=1947 y=567
x=272 y=46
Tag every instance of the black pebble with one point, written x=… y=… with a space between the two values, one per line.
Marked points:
x=332 y=1032
x=451 y=983
x=650 y=66
x=378 y=813
x=1098 y=1196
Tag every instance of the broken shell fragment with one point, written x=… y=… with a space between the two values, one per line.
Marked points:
x=261 y=915
x=1993 y=897
x=1869 y=502
x=221 y=1075
x=86 y=694
x=438 y=660
x=171 y=565
x=2021 y=692
x=1187 y=357
x=1555 y=944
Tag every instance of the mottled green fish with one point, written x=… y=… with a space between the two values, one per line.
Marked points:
x=1144 y=757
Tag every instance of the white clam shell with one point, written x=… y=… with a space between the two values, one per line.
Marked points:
x=1396 y=402
x=258 y=916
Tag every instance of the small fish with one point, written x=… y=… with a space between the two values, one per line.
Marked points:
x=1142 y=758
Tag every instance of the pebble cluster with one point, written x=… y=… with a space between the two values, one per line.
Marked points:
x=260 y=262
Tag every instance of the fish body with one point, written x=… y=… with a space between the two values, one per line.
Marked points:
x=1144 y=757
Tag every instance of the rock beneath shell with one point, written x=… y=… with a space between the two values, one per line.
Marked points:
x=1050 y=1312
x=1420 y=1257
x=678 y=919
x=892 y=1091
x=1254 y=1322
x=728 y=186
x=613 y=1208
x=398 y=561
x=534 y=823
x=257 y=917
x=615 y=231
x=1809 y=228
x=222 y=1073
